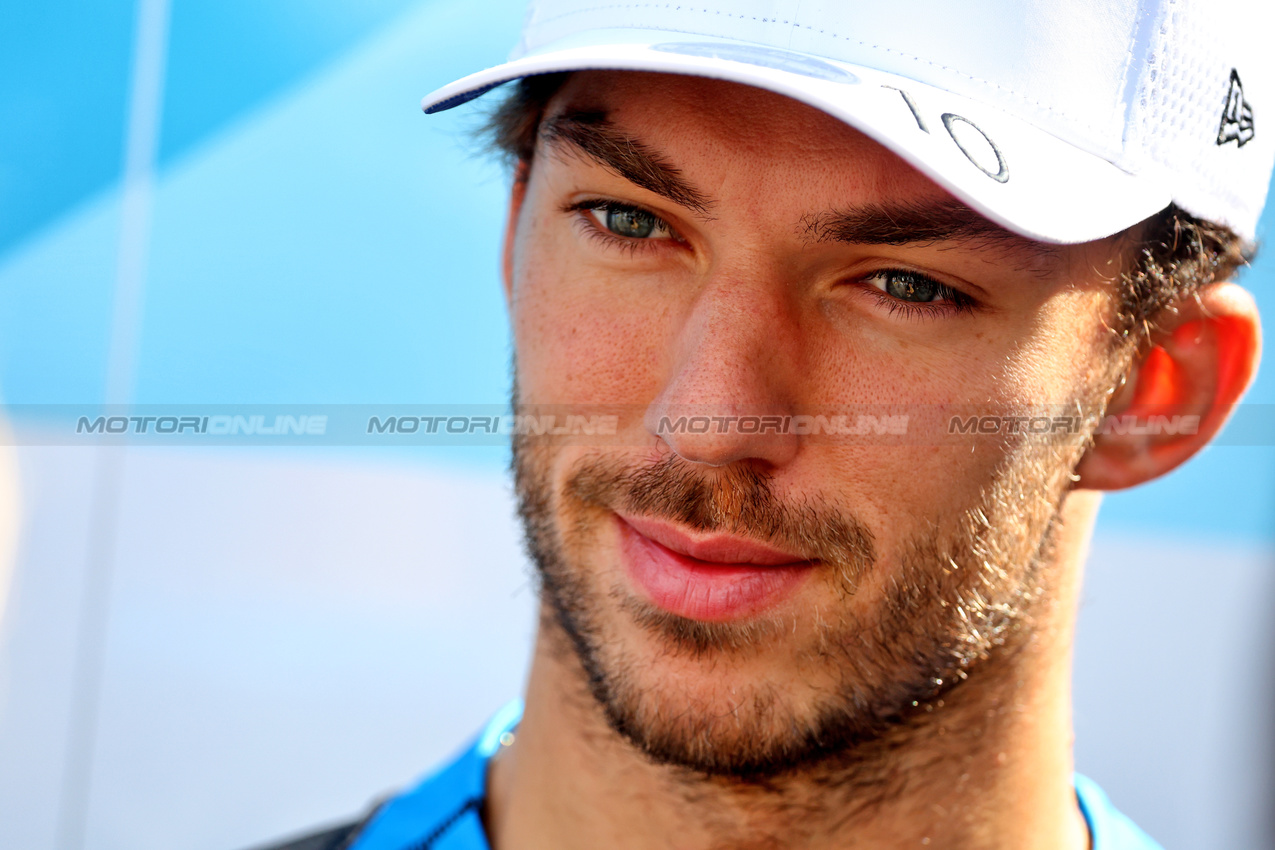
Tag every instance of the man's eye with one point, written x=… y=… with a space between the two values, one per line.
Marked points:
x=630 y=222
x=911 y=287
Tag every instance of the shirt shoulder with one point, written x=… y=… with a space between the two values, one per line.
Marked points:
x=1109 y=829
x=443 y=811
x=332 y=838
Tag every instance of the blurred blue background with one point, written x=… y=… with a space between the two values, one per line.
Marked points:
x=240 y=202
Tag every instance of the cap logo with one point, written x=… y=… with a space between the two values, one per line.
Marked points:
x=766 y=57
x=969 y=146
x=1237 y=116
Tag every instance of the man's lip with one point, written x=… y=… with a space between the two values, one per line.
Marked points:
x=713 y=547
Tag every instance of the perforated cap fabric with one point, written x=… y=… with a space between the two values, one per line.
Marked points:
x=1063 y=120
x=1207 y=71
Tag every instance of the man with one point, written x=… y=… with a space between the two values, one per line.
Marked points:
x=881 y=297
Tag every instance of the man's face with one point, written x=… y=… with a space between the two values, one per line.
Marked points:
x=747 y=603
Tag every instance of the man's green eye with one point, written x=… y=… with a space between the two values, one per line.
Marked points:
x=908 y=286
x=630 y=222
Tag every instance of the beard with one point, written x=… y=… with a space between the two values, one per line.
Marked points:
x=874 y=662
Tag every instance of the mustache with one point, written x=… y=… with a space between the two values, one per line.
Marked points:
x=736 y=499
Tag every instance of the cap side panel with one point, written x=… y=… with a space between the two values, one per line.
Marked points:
x=1180 y=108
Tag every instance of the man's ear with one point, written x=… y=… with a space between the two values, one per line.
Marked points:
x=516 y=196
x=1179 y=392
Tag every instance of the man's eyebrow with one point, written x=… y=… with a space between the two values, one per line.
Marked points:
x=591 y=133
x=911 y=223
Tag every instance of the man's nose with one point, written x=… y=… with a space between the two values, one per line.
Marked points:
x=729 y=394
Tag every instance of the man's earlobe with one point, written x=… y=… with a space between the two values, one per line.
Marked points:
x=517 y=193
x=1179 y=392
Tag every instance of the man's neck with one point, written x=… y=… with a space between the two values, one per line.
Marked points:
x=988 y=767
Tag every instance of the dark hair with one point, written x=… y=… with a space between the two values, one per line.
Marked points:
x=512 y=127
x=1175 y=254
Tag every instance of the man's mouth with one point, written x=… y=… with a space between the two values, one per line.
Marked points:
x=712 y=577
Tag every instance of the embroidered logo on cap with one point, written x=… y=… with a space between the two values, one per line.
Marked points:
x=1237 y=117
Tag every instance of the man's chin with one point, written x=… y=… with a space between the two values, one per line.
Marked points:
x=719 y=720
x=794 y=690
x=745 y=700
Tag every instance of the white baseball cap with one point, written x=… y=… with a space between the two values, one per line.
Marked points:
x=1062 y=120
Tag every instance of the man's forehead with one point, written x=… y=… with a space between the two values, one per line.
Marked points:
x=712 y=112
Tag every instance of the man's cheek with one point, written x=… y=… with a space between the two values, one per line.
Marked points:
x=889 y=481
x=580 y=351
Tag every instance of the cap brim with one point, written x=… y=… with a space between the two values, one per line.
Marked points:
x=1012 y=172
